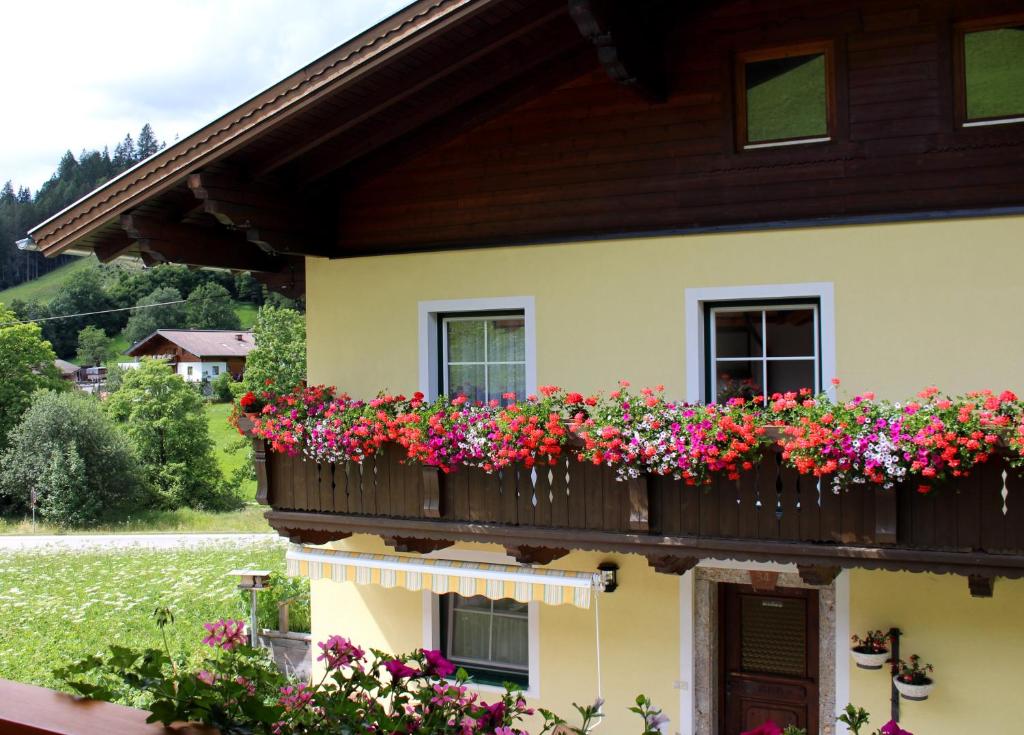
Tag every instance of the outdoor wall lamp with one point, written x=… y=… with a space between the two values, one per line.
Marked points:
x=253 y=580
x=609 y=575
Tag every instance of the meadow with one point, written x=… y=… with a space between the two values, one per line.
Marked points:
x=58 y=606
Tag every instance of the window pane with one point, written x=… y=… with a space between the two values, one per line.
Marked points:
x=741 y=379
x=738 y=333
x=506 y=379
x=786 y=98
x=790 y=333
x=466 y=341
x=790 y=375
x=510 y=607
x=478 y=602
x=467 y=380
x=994 y=68
x=506 y=339
x=471 y=637
x=511 y=643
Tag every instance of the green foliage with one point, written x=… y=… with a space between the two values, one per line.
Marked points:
x=222 y=387
x=83 y=293
x=26 y=365
x=280 y=588
x=278 y=361
x=854 y=718
x=69 y=460
x=164 y=418
x=93 y=346
x=143 y=322
x=210 y=307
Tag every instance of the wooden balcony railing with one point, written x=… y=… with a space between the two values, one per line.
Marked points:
x=772 y=513
x=29 y=710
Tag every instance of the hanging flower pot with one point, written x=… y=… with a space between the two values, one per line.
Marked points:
x=914 y=692
x=913 y=681
x=872 y=651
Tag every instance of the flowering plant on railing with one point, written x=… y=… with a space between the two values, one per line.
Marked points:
x=931 y=439
x=645 y=433
x=238 y=689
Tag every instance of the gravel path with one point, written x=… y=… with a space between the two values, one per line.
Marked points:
x=94 y=542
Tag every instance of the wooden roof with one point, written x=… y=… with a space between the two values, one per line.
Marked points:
x=199 y=342
x=248 y=191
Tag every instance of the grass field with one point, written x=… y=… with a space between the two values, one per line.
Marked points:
x=246 y=314
x=231 y=448
x=43 y=289
x=57 y=606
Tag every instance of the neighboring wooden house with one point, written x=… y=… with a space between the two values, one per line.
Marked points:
x=197 y=354
x=718 y=195
x=68 y=371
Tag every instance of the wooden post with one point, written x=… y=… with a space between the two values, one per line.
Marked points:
x=282 y=616
x=432 y=493
x=259 y=459
x=639 y=504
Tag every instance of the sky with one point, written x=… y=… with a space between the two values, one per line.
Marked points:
x=80 y=75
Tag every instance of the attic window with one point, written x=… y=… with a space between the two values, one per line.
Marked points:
x=991 y=61
x=785 y=96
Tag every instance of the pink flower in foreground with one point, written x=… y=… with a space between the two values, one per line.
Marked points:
x=437 y=664
x=294 y=698
x=398 y=670
x=206 y=677
x=891 y=728
x=225 y=634
x=768 y=728
x=338 y=652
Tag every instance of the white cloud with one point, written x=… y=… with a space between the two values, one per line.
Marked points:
x=79 y=75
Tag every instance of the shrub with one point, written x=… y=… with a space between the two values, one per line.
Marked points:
x=280 y=589
x=70 y=460
x=278 y=361
x=163 y=416
x=222 y=388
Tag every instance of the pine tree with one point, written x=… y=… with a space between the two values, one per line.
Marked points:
x=147 y=143
x=124 y=154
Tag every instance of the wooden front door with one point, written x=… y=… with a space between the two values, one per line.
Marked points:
x=769 y=658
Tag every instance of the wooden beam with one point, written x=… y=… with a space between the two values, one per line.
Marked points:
x=114 y=247
x=197 y=246
x=981 y=585
x=268 y=217
x=671 y=564
x=630 y=41
x=818 y=575
x=416 y=545
x=535 y=554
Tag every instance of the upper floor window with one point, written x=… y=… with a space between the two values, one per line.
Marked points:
x=991 y=60
x=483 y=356
x=488 y=638
x=785 y=96
x=761 y=349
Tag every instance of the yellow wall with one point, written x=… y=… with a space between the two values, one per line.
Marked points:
x=916 y=304
x=975 y=644
x=639 y=634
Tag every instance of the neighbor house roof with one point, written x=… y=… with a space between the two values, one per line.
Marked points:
x=200 y=342
x=65 y=367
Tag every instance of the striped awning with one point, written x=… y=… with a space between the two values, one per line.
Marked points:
x=441 y=576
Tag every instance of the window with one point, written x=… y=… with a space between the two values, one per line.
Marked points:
x=785 y=96
x=761 y=349
x=991 y=72
x=190 y=370
x=483 y=356
x=216 y=369
x=488 y=638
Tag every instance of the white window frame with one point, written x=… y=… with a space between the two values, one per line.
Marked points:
x=489 y=663
x=432 y=620
x=431 y=384
x=696 y=300
x=486 y=364
x=763 y=358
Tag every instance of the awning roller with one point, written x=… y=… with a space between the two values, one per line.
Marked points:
x=441 y=576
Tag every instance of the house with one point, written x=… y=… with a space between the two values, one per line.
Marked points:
x=724 y=197
x=68 y=370
x=196 y=355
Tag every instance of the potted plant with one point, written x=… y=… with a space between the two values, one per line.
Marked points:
x=872 y=651
x=913 y=680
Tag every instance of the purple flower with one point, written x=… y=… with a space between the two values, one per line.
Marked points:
x=225 y=634
x=399 y=670
x=338 y=652
x=437 y=664
x=891 y=728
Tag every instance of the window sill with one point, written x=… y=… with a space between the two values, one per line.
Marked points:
x=786 y=143
x=990 y=123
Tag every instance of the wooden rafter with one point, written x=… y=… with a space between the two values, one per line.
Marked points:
x=196 y=246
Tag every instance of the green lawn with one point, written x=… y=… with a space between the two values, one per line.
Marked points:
x=56 y=606
x=231 y=448
x=246 y=314
x=43 y=289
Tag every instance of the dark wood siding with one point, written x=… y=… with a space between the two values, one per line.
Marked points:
x=591 y=158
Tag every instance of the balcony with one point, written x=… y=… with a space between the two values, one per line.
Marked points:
x=974 y=528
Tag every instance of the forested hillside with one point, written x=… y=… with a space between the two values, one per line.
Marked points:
x=21 y=210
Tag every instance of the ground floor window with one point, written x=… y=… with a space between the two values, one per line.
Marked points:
x=488 y=638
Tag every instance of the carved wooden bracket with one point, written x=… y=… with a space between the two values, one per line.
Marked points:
x=535 y=554
x=818 y=576
x=630 y=39
x=406 y=544
x=764 y=581
x=669 y=564
x=639 y=504
x=312 y=536
x=432 y=493
x=981 y=586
